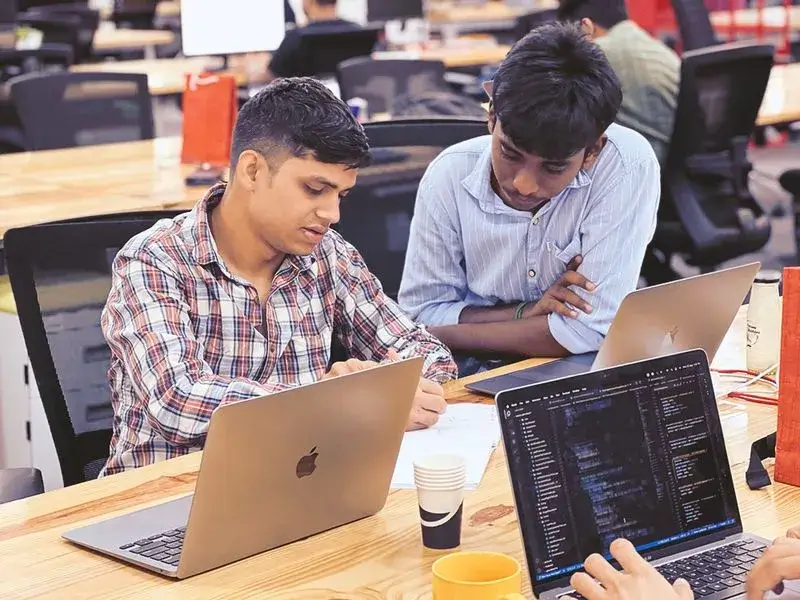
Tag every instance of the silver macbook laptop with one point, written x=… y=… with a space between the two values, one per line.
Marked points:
x=274 y=470
x=695 y=312
x=633 y=451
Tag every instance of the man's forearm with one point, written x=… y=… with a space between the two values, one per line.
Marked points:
x=488 y=314
x=526 y=337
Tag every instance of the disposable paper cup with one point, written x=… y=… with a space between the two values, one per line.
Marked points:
x=447 y=484
x=440 y=483
x=440 y=463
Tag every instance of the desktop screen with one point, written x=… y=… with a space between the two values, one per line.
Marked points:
x=389 y=10
x=635 y=451
x=8 y=11
x=239 y=27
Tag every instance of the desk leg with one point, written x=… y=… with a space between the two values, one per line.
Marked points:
x=150 y=52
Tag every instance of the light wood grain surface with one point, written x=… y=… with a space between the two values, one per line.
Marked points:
x=165 y=76
x=380 y=557
x=109 y=40
x=441 y=13
x=781 y=102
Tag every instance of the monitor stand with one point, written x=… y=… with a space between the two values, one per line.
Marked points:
x=222 y=68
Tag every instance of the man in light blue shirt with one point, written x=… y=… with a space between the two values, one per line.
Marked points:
x=524 y=242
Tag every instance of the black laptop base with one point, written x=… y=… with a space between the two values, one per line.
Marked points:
x=564 y=367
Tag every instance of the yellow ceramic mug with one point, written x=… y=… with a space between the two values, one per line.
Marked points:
x=477 y=576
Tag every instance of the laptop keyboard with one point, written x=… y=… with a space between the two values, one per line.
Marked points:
x=164 y=547
x=717 y=572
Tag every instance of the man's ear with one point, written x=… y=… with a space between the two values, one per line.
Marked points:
x=492 y=119
x=247 y=168
x=593 y=151
x=587 y=25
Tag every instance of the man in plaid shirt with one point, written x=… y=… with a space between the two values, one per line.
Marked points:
x=242 y=296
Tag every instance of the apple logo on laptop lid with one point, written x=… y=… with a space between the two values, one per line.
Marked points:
x=307 y=464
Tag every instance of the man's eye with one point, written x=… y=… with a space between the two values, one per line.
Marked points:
x=555 y=170
x=314 y=191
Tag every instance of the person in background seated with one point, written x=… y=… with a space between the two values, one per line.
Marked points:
x=243 y=295
x=289 y=59
x=638 y=580
x=525 y=241
x=648 y=70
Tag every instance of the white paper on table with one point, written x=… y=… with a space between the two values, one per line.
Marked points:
x=469 y=430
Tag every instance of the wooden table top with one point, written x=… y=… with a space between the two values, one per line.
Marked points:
x=782 y=99
x=165 y=76
x=110 y=40
x=442 y=13
x=746 y=19
x=168 y=8
x=148 y=175
x=380 y=557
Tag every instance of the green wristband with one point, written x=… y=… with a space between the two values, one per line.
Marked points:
x=520 y=309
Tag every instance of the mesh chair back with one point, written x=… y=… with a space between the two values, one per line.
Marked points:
x=65 y=110
x=376 y=215
x=379 y=82
x=60 y=275
x=322 y=51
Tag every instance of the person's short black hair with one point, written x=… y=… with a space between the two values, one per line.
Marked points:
x=555 y=93
x=605 y=13
x=301 y=116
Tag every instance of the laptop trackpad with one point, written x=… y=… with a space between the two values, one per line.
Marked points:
x=571 y=365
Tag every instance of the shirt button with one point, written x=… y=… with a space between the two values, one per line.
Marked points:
x=531 y=273
x=535 y=220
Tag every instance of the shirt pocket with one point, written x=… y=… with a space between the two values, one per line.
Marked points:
x=564 y=252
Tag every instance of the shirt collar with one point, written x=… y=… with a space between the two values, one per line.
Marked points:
x=205 y=247
x=479 y=184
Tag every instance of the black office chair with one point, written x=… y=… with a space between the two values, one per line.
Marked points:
x=46 y=58
x=60 y=275
x=707 y=213
x=528 y=21
x=322 y=51
x=694 y=24
x=55 y=28
x=19 y=483
x=88 y=20
x=134 y=14
x=376 y=215
x=64 y=110
x=379 y=82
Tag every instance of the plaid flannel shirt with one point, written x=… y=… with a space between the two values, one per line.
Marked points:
x=186 y=335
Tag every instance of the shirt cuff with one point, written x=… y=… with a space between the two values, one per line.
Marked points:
x=442 y=314
x=574 y=336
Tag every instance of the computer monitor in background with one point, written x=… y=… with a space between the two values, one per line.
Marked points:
x=24 y=5
x=8 y=12
x=394 y=10
x=239 y=27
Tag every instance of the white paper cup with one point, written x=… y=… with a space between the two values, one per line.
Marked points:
x=440 y=463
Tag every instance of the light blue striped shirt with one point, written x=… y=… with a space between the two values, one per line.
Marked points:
x=468 y=248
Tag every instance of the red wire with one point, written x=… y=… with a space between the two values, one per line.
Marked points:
x=755 y=398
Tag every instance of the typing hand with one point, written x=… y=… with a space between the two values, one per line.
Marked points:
x=348 y=366
x=638 y=581
x=780 y=562
x=559 y=295
x=428 y=404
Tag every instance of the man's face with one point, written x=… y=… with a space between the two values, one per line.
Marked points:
x=292 y=205
x=525 y=181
